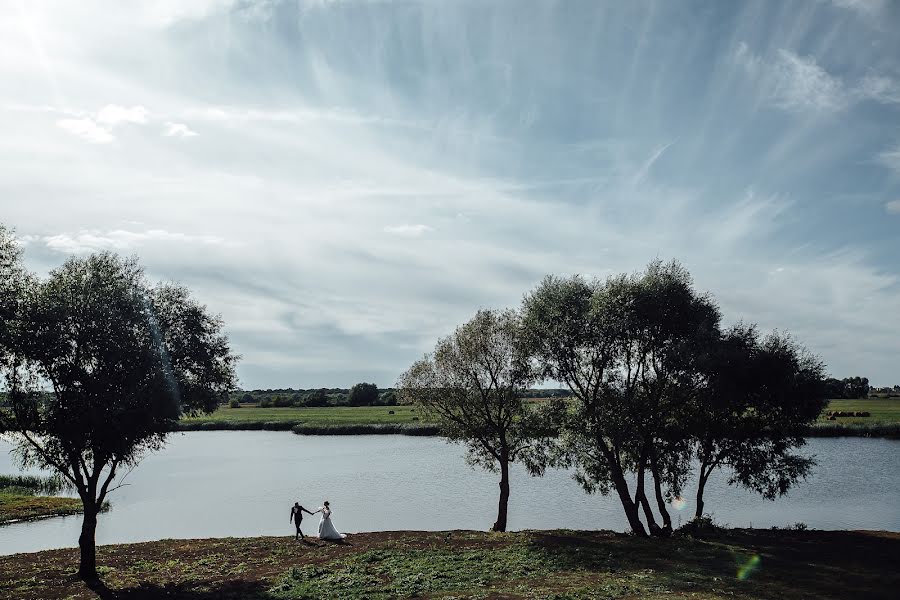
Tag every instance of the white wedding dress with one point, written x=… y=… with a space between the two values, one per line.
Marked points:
x=326 y=527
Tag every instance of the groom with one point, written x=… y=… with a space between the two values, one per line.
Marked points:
x=297 y=518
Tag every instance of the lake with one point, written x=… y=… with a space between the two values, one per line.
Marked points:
x=243 y=483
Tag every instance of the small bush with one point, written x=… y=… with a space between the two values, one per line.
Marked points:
x=700 y=527
x=234 y=403
x=265 y=403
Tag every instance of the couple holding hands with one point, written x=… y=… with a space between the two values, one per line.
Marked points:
x=327 y=530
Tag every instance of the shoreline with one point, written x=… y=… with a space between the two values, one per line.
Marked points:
x=825 y=430
x=750 y=563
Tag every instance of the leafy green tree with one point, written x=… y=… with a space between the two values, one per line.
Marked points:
x=123 y=361
x=471 y=385
x=13 y=279
x=316 y=398
x=571 y=332
x=666 y=331
x=628 y=348
x=761 y=397
x=856 y=387
x=363 y=394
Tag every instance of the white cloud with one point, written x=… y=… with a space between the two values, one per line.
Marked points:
x=879 y=88
x=868 y=8
x=416 y=230
x=178 y=130
x=113 y=114
x=793 y=82
x=98 y=128
x=891 y=159
x=513 y=150
x=119 y=239
x=87 y=129
x=893 y=207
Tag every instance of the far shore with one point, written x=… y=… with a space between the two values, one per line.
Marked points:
x=883 y=420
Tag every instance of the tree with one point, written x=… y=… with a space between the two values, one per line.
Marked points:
x=316 y=398
x=667 y=329
x=570 y=332
x=471 y=386
x=628 y=348
x=856 y=387
x=123 y=360
x=363 y=394
x=761 y=397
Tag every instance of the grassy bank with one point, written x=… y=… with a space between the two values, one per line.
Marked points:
x=283 y=419
x=25 y=497
x=19 y=507
x=884 y=420
x=558 y=565
x=882 y=411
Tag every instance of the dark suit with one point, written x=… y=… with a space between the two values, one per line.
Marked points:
x=297 y=517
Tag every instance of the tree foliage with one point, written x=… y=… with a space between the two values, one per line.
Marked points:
x=653 y=379
x=762 y=393
x=471 y=385
x=627 y=347
x=849 y=387
x=363 y=394
x=123 y=360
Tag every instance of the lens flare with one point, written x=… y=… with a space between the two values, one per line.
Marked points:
x=745 y=570
x=678 y=503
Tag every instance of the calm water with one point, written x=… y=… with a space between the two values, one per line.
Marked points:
x=217 y=484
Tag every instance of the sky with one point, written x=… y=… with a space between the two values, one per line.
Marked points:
x=347 y=181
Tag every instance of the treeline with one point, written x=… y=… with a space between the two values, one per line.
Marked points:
x=847 y=388
x=361 y=394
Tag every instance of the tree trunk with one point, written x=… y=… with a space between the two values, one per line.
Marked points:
x=660 y=499
x=631 y=509
x=87 y=543
x=701 y=483
x=500 y=524
x=641 y=498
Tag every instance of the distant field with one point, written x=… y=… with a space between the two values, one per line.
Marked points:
x=329 y=415
x=883 y=411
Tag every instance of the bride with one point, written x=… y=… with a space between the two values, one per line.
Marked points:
x=326 y=527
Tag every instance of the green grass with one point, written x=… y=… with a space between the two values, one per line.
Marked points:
x=884 y=419
x=253 y=417
x=25 y=497
x=883 y=411
x=16 y=506
x=534 y=565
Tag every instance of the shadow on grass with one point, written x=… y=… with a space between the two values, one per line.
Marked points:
x=754 y=563
x=680 y=564
x=220 y=590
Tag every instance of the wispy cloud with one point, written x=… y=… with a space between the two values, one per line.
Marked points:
x=880 y=88
x=868 y=8
x=792 y=82
x=98 y=128
x=343 y=209
x=893 y=207
x=416 y=230
x=120 y=239
x=87 y=129
x=178 y=130
x=113 y=114
x=891 y=159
